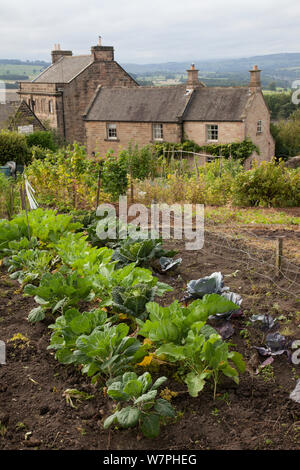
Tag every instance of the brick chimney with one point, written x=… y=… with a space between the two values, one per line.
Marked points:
x=102 y=53
x=255 y=83
x=192 y=80
x=57 y=53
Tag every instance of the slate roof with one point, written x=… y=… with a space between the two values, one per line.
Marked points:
x=64 y=70
x=138 y=104
x=168 y=104
x=218 y=104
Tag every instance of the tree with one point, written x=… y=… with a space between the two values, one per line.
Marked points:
x=272 y=86
x=287 y=136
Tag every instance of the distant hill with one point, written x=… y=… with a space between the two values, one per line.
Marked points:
x=41 y=63
x=282 y=68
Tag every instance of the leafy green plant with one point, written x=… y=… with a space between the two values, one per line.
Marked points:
x=13 y=147
x=56 y=292
x=172 y=323
x=14 y=230
x=204 y=355
x=114 y=175
x=182 y=335
x=29 y=265
x=145 y=409
x=42 y=139
x=270 y=184
x=76 y=253
x=140 y=252
x=141 y=163
x=108 y=352
x=133 y=288
x=106 y=231
x=69 y=326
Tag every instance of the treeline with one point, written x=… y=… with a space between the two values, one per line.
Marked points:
x=42 y=63
x=287 y=136
x=13 y=76
x=280 y=105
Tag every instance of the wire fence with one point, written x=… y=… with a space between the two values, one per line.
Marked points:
x=268 y=256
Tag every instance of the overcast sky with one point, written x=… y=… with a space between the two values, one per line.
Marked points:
x=150 y=31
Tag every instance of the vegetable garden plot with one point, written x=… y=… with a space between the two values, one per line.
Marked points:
x=95 y=340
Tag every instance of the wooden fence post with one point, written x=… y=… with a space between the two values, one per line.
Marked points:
x=131 y=188
x=278 y=260
x=98 y=188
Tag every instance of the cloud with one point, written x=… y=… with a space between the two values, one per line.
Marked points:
x=156 y=31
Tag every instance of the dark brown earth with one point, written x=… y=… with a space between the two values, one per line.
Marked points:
x=257 y=414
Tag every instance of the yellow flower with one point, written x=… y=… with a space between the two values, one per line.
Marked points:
x=123 y=316
x=146 y=361
x=147 y=341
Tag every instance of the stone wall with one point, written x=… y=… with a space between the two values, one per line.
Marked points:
x=78 y=94
x=42 y=94
x=228 y=132
x=139 y=133
x=69 y=101
x=264 y=140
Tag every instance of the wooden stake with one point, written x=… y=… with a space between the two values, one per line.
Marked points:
x=11 y=200
x=28 y=228
x=98 y=188
x=131 y=187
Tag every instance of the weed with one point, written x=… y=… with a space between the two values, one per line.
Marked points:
x=267 y=373
x=3 y=430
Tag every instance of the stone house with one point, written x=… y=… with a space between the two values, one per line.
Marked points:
x=61 y=93
x=117 y=116
x=18 y=116
x=91 y=99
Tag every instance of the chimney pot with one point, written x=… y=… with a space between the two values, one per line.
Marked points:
x=193 y=80
x=102 y=53
x=57 y=53
x=255 y=82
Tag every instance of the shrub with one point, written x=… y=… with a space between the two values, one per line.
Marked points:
x=66 y=179
x=237 y=150
x=43 y=139
x=39 y=153
x=287 y=136
x=141 y=163
x=269 y=184
x=9 y=196
x=114 y=175
x=13 y=147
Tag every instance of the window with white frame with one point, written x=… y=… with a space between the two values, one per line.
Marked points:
x=212 y=132
x=259 y=127
x=111 y=131
x=158 y=132
x=50 y=107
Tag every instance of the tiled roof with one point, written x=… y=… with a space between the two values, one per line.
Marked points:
x=139 y=104
x=64 y=70
x=167 y=104
x=218 y=104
